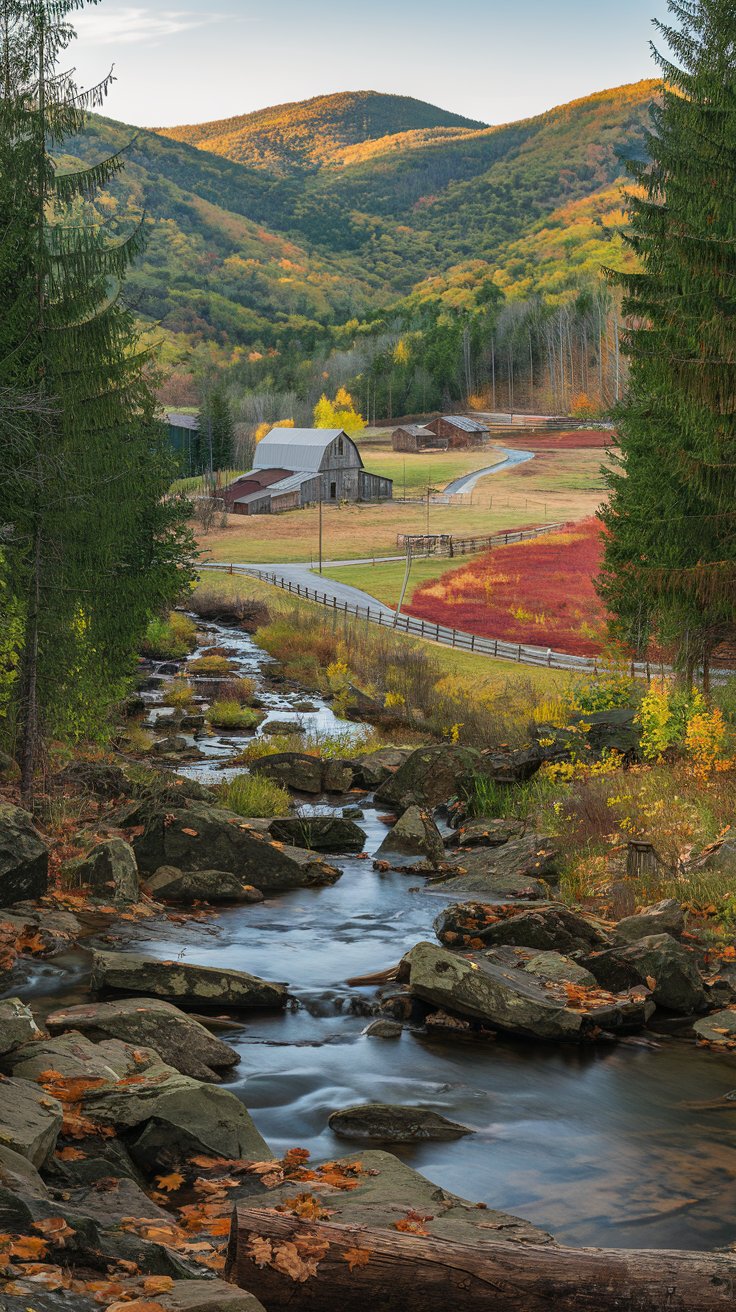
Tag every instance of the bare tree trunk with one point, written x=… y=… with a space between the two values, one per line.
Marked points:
x=29 y=680
x=323 y=1267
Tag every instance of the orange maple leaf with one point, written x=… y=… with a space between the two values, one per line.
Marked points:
x=356 y=1257
x=170 y=1182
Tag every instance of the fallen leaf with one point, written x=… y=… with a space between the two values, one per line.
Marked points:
x=356 y=1257
x=170 y=1182
x=157 y=1284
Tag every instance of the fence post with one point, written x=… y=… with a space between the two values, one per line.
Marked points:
x=438 y=633
x=520 y=653
x=454 y=636
x=472 y=642
x=422 y=628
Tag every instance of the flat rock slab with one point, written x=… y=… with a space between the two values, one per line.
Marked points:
x=388 y=1123
x=72 y=1056
x=19 y=1174
x=179 y=1039
x=512 y=870
x=486 y=833
x=513 y=1001
x=179 y=981
x=30 y=1120
x=208 y=1296
x=319 y=833
x=201 y=837
x=387 y=1190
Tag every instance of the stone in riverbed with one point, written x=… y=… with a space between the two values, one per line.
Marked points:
x=30 y=1120
x=16 y=1025
x=383 y=1029
x=387 y=1123
x=428 y=777
x=208 y=1296
x=18 y=1174
x=201 y=837
x=513 y=870
x=660 y=964
x=554 y=966
x=110 y=870
x=24 y=857
x=187 y=886
x=552 y=928
x=666 y=917
x=293 y=770
x=374 y=768
x=414 y=837
x=509 y=999
x=718 y=1029
x=319 y=833
x=195 y=1118
x=149 y=1022
x=71 y=1055
x=181 y=981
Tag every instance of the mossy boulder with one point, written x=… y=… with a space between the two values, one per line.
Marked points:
x=24 y=857
x=181 y=981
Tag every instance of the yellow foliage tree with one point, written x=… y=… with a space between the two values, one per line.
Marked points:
x=340 y=413
x=401 y=352
x=263 y=429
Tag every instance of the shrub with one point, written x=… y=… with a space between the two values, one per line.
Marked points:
x=179 y=695
x=241 y=691
x=231 y=715
x=210 y=665
x=138 y=739
x=253 y=795
x=171 y=638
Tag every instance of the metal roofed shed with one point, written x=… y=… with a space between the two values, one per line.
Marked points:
x=296 y=448
x=460 y=431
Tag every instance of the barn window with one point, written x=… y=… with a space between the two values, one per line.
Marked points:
x=340 y=446
x=333 y=491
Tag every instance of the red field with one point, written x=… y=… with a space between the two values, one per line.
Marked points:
x=539 y=592
x=576 y=440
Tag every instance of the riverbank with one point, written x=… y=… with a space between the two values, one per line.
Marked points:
x=595 y=1115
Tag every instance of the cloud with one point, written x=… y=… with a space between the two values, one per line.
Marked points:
x=129 y=25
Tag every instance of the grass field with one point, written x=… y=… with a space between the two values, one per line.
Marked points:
x=558 y=486
x=415 y=473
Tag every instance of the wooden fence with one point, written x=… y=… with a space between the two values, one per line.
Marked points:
x=452 y=546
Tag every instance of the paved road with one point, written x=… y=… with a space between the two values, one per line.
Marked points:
x=310 y=578
x=469 y=481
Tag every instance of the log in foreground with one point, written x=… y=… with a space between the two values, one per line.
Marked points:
x=317 y=1266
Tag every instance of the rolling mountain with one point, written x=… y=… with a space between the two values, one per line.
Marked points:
x=312 y=133
x=335 y=208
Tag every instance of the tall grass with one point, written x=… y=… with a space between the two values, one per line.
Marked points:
x=170 y=638
x=254 y=796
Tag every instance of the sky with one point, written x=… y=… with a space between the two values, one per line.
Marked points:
x=177 y=61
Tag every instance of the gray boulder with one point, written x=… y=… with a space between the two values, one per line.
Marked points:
x=103 y=778
x=718 y=1029
x=513 y=870
x=193 y=1118
x=509 y=999
x=294 y=770
x=387 y=1123
x=428 y=777
x=110 y=870
x=72 y=1055
x=16 y=1025
x=187 y=886
x=414 y=837
x=666 y=917
x=180 y=981
x=383 y=1029
x=337 y=776
x=660 y=964
x=24 y=857
x=30 y=1120
x=554 y=966
x=374 y=768
x=179 y=1040
x=552 y=928
x=201 y=837
x=19 y=1174
x=319 y=833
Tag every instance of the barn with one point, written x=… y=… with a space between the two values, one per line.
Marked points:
x=416 y=437
x=296 y=467
x=184 y=441
x=460 y=431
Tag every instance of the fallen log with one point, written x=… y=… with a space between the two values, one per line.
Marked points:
x=318 y=1266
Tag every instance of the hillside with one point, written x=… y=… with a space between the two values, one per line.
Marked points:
x=253 y=254
x=312 y=133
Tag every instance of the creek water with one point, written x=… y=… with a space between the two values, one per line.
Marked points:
x=599 y=1145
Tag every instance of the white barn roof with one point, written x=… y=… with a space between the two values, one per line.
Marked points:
x=299 y=449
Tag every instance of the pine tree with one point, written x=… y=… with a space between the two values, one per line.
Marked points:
x=670 y=554
x=216 y=432
x=94 y=548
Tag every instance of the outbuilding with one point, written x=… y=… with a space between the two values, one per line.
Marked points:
x=413 y=438
x=460 y=431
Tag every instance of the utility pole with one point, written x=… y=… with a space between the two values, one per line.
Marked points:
x=405 y=584
x=320 y=526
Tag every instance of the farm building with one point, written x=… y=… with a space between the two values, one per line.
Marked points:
x=460 y=431
x=184 y=440
x=416 y=437
x=296 y=467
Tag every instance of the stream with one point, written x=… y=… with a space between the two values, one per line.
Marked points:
x=597 y=1145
